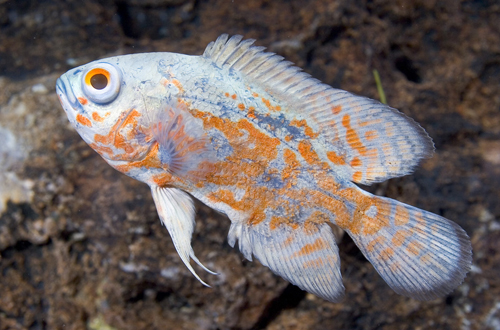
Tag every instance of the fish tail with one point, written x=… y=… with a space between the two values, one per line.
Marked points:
x=419 y=254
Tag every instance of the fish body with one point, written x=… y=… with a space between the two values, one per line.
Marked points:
x=278 y=152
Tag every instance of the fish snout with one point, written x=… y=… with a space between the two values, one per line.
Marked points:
x=67 y=98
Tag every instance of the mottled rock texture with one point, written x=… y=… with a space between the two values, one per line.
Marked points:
x=81 y=246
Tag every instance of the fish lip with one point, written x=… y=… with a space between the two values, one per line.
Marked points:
x=67 y=98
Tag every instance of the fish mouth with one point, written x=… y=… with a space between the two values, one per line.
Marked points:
x=67 y=98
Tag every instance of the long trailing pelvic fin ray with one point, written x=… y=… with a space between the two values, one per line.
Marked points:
x=176 y=211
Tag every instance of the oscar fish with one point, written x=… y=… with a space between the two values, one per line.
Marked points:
x=277 y=151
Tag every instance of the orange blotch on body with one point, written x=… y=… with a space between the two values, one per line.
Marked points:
x=97 y=117
x=277 y=222
x=82 y=100
x=83 y=120
x=316 y=219
x=309 y=155
x=308 y=131
x=268 y=105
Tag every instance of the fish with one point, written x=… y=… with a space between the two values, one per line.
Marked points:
x=277 y=151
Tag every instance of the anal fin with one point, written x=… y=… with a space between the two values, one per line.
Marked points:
x=308 y=258
x=176 y=211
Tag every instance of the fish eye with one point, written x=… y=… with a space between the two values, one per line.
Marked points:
x=101 y=83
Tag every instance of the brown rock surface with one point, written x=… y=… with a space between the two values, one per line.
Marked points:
x=81 y=246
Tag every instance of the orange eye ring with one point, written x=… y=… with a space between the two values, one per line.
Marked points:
x=98 y=78
x=101 y=82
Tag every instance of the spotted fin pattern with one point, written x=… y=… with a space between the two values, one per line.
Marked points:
x=418 y=253
x=306 y=257
x=361 y=139
x=176 y=211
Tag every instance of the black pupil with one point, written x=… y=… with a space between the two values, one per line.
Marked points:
x=99 y=81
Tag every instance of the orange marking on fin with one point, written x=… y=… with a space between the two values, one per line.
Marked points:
x=288 y=241
x=241 y=106
x=357 y=176
x=318 y=245
x=82 y=100
x=371 y=135
x=316 y=263
x=336 y=109
x=280 y=221
x=369 y=122
x=395 y=266
x=355 y=162
x=426 y=258
x=402 y=216
x=83 y=120
x=226 y=94
x=414 y=248
x=255 y=94
x=387 y=253
x=233 y=96
x=334 y=158
x=400 y=237
x=435 y=229
x=288 y=138
x=389 y=129
x=379 y=240
x=352 y=137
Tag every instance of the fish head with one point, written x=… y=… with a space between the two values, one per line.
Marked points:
x=112 y=102
x=129 y=109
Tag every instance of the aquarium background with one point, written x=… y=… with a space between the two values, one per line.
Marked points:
x=81 y=245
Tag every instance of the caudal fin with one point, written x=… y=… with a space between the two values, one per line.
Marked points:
x=419 y=254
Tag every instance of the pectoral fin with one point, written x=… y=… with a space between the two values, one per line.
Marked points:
x=176 y=211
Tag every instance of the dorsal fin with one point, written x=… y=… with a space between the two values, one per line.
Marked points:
x=363 y=139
